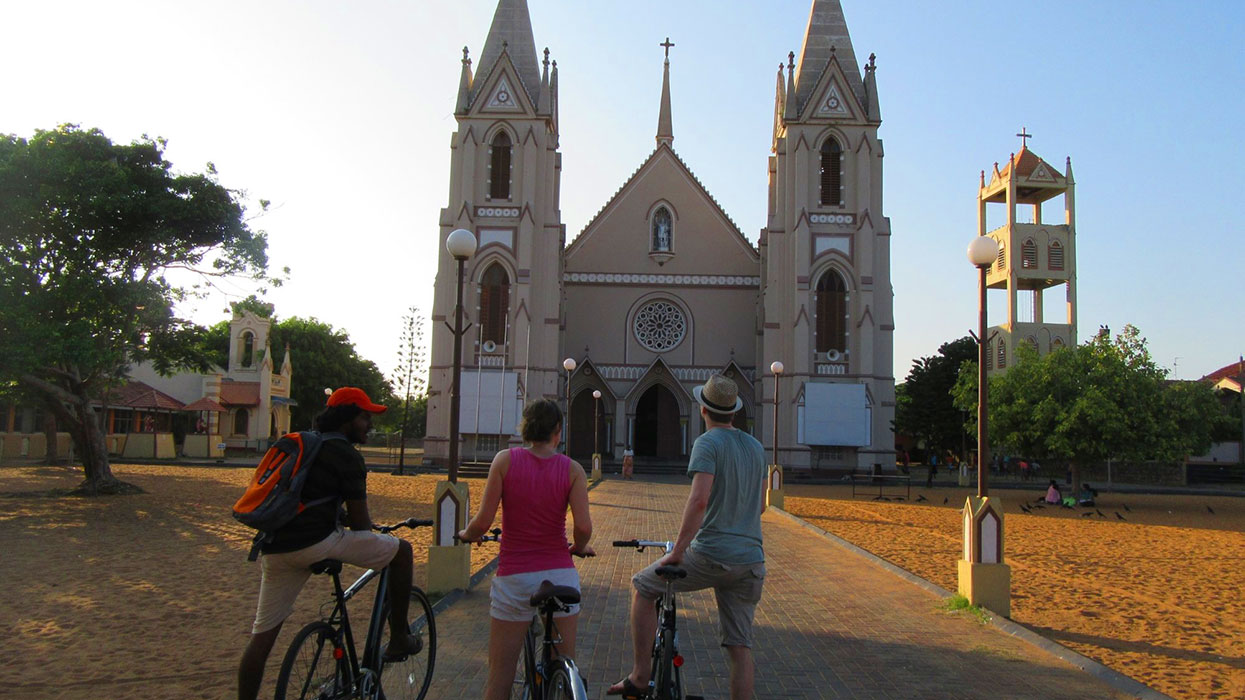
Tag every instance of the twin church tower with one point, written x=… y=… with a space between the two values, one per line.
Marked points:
x=661 y=289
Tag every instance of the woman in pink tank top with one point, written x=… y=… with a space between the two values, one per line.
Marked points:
x=535 y=486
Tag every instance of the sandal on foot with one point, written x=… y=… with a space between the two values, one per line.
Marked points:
x=625 y=688
x=414 y=646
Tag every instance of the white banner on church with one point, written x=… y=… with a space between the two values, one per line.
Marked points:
x=490 y=403
x=835 y=414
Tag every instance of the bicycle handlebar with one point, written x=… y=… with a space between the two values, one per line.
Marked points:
x=641 y=545
x=409 y=522
x=495 y=536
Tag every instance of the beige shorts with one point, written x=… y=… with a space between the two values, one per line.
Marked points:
x=737 y=588
x=284 y=574
x=510 y=596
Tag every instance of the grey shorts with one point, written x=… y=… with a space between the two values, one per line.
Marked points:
x=737 y=588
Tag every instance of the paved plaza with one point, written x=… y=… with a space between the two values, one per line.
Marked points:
x=831 y=624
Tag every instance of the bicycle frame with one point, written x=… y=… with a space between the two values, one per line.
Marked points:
x=545 y=664
x=340 y=619
x=666 y=625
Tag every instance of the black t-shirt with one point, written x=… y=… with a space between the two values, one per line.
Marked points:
x=338 y=471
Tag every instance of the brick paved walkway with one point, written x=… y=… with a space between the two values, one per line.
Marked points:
x=830 y=624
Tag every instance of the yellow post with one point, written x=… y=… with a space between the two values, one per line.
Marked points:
x=774 y=486
x=449 y=562
x=983 y=577
x=596 y=467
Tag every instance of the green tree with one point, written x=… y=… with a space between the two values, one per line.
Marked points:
x=1104 y=399
x=924 y=406
x=409 y=374
x=88 y=231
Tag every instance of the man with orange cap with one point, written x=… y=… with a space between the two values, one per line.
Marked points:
x=338 y=476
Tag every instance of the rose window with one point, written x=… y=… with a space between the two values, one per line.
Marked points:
x=659 y=326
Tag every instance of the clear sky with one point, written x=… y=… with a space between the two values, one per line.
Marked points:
x=341 y=114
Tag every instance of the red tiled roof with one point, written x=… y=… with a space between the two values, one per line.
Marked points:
x=1232 y=371
x=136 y=394
x=239 y=393
x=1027 y=161
x=204 y=404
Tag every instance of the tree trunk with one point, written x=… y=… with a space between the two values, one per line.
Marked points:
x=52 y=456
x=73 y=409
x=1075 y=469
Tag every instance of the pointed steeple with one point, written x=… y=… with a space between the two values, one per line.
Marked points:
x=665 y=125
x=285 y=361
x=791 y=110
x=825 y=37
x=873 y=111
x=464 y=86
x=543 y=106
x=553 y=96
x=780 y=99
x=511 y=33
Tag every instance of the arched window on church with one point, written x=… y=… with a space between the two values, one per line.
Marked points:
x=1054 y=255
x=1002 y=363
x=241 y=422
x=1028 y=255
x=663 y=231
x=831 y=173
x=831 y=306
x=248 y=348
x=499 y=166
x=494 y=304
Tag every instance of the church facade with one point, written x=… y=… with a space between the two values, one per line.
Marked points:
x=661 y=289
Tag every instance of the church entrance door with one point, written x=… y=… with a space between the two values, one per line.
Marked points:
x=580 y=425
x=657 y=430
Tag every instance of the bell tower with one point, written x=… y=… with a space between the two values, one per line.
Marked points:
x=505 y=171
x=1035 y=255
x=826 y=286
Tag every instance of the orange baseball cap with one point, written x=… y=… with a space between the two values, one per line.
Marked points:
x=353 y=396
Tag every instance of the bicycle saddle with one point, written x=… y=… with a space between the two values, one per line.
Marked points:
x=547 y=590
x=326 y=566
x=671 y=572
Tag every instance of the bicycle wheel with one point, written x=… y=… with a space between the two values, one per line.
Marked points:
x=565 y=683
x=309 y=670
x=409 y=678
x=525 y=672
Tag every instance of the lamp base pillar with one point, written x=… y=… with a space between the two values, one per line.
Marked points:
x=448 y=568
x=987 y=585
x=774 y=491
x=596 y=467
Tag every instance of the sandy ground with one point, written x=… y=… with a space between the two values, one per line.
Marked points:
x=151 y=595
x=1156 y=596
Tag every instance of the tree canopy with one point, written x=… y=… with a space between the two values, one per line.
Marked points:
x=924 y=406
x=88 y=231
x=1103 y=399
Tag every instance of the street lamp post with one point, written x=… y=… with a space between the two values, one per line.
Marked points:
x=461 y=244
x=983 y=577
x=596 y=434
x=569 y=365
x=449 y=561
x=773 y=492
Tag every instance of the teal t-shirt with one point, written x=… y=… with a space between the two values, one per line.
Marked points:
x=731 y=531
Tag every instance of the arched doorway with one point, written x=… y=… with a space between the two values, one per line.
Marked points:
x=741 y=418
x=657 y=430
x=581 y=427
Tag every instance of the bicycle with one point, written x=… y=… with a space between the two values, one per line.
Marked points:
x=666 y=678
x=545 y=676
x=322 y=663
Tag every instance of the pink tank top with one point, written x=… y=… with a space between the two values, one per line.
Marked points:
x=534 y=497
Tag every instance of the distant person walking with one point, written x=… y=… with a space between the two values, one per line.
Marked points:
x=628 y=463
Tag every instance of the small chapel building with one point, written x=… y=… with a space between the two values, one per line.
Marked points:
x=661 y=289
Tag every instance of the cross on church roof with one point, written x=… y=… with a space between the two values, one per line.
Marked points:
x=667 y=44
x=1024 y=137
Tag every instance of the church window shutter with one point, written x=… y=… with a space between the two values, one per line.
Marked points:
x=248 y=348
x=1002 y=356
x=494 y=304
x=1000 y=263
x=831 y=308
x=831 y=173
x=499 y=167
x=663 y=231
x=1054 y=255
x=989 y=357
x=1028 y=255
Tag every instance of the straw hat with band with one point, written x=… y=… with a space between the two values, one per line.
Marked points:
x=719 y=395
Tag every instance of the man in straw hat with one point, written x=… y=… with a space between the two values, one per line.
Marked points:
x=719 y=542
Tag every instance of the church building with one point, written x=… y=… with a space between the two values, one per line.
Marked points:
x=661 y=289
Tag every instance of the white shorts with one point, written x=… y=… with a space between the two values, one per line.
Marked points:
x=511 y=595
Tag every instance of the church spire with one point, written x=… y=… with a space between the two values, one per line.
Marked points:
x=665 y=125
x=464 y=86
x=511 y=33
x=780 y=100
x=826 y=37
